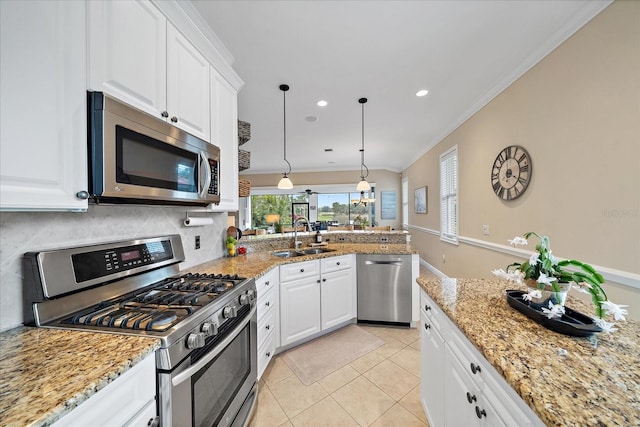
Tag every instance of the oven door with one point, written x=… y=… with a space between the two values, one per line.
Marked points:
x=215 y=385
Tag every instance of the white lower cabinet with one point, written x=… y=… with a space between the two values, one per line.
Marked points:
x=268 y=309
x=130 y=400
x=316 y=296
x=458 y=386
x=432 y=369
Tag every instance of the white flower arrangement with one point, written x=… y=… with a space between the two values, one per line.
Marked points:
x=546 y=270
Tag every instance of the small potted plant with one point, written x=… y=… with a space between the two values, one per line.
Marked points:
x=549 y=279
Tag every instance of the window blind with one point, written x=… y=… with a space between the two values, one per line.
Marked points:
x=449 y=195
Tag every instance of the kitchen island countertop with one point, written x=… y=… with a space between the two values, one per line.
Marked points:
x=42 y=379
x=592 y=385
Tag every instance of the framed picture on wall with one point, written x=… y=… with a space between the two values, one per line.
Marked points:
x=420 y=200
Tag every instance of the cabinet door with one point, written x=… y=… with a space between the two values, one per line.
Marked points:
x=461 y=395
x=299 y=309
x=43 y=154
x=336 y=293
x=432 y=371
x=188 y=84
x=128 y=53
x=224 y=134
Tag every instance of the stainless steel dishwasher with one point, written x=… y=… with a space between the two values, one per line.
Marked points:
x=384 y=289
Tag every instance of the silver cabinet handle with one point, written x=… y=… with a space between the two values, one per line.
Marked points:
x=475 y=368
x=154 y=422
x=396 y=262
x=164 y=114
x=83 y=195
x=174 y=119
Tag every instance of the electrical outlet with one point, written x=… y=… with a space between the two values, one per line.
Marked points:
x=384 y=239
x=384 y=247
x=197 y=242
x=485 y=230
x=340 y=239
x=444 y=258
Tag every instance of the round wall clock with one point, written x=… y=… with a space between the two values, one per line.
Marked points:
x=511 y=172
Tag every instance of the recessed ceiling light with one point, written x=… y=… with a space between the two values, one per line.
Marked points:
x=322 y=103
x=311 y=118
x=422 y=92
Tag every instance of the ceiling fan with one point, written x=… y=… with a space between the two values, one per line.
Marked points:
x=308 y=192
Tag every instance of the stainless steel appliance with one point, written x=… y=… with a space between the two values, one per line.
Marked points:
x=138 y=158
x=207 y=323
x=384 y=289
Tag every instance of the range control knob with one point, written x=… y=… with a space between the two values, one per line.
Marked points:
x=245 y=299
x=229 y=312
x=209 y=329
x=195 y=340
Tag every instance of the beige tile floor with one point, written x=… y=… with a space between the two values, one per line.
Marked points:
x=381 y=388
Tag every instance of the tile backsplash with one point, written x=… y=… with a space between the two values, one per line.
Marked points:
x=22 y=232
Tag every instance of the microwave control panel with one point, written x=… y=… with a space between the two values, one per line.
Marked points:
x=214 y=188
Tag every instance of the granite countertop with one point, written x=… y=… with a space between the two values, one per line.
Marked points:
x=257 y=264
x=596 y=383
x=45 y=373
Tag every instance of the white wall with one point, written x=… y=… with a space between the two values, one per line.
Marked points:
x=577 y=113
x=31 y=231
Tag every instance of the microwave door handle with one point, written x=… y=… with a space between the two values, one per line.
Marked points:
x=206 y=168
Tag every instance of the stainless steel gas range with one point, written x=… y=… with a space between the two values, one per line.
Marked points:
x=206 y=365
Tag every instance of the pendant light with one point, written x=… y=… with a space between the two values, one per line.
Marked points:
x=363 y=185
x=285 y=183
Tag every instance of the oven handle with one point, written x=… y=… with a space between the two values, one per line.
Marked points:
x=185 y=375
x=204 y=159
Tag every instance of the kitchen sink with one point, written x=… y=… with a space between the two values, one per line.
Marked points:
x=288 y=253
x=292 y=253
x=315 y=251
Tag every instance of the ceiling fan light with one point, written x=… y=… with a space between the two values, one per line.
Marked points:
x=285 y=183
x=363 y=185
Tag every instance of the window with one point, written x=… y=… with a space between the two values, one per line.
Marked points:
x=405 y=203
x=449 y=195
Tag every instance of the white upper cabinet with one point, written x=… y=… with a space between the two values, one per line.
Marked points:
x=224 y=134
x=188 y=86
x=137 y=56
x=128 y=53
x=43 y=154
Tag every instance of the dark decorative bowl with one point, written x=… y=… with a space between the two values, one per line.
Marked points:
x=571 y=323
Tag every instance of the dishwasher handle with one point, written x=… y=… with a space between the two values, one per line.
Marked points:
x=390 y=262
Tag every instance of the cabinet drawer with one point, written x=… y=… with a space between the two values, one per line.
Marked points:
x=265 y=353
x=434 y=315
x=266 y=302
x=266 y=282
x=299 y=270
x=336 y=263
x=266 y=326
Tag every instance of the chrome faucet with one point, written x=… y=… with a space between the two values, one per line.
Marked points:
x=296 y=244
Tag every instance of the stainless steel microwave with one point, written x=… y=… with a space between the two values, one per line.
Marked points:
x=137 y=158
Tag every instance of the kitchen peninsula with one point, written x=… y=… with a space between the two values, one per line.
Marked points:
x=564 y=380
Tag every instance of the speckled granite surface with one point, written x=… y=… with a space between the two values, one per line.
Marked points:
x=590 y=386
x=258 y=264
x=45 y=373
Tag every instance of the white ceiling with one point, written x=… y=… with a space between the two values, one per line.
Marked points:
x=463 y=52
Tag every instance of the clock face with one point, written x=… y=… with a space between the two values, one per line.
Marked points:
x=511 y=172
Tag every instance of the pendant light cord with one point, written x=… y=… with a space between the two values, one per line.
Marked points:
x=362 y=101
x=284 y=89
